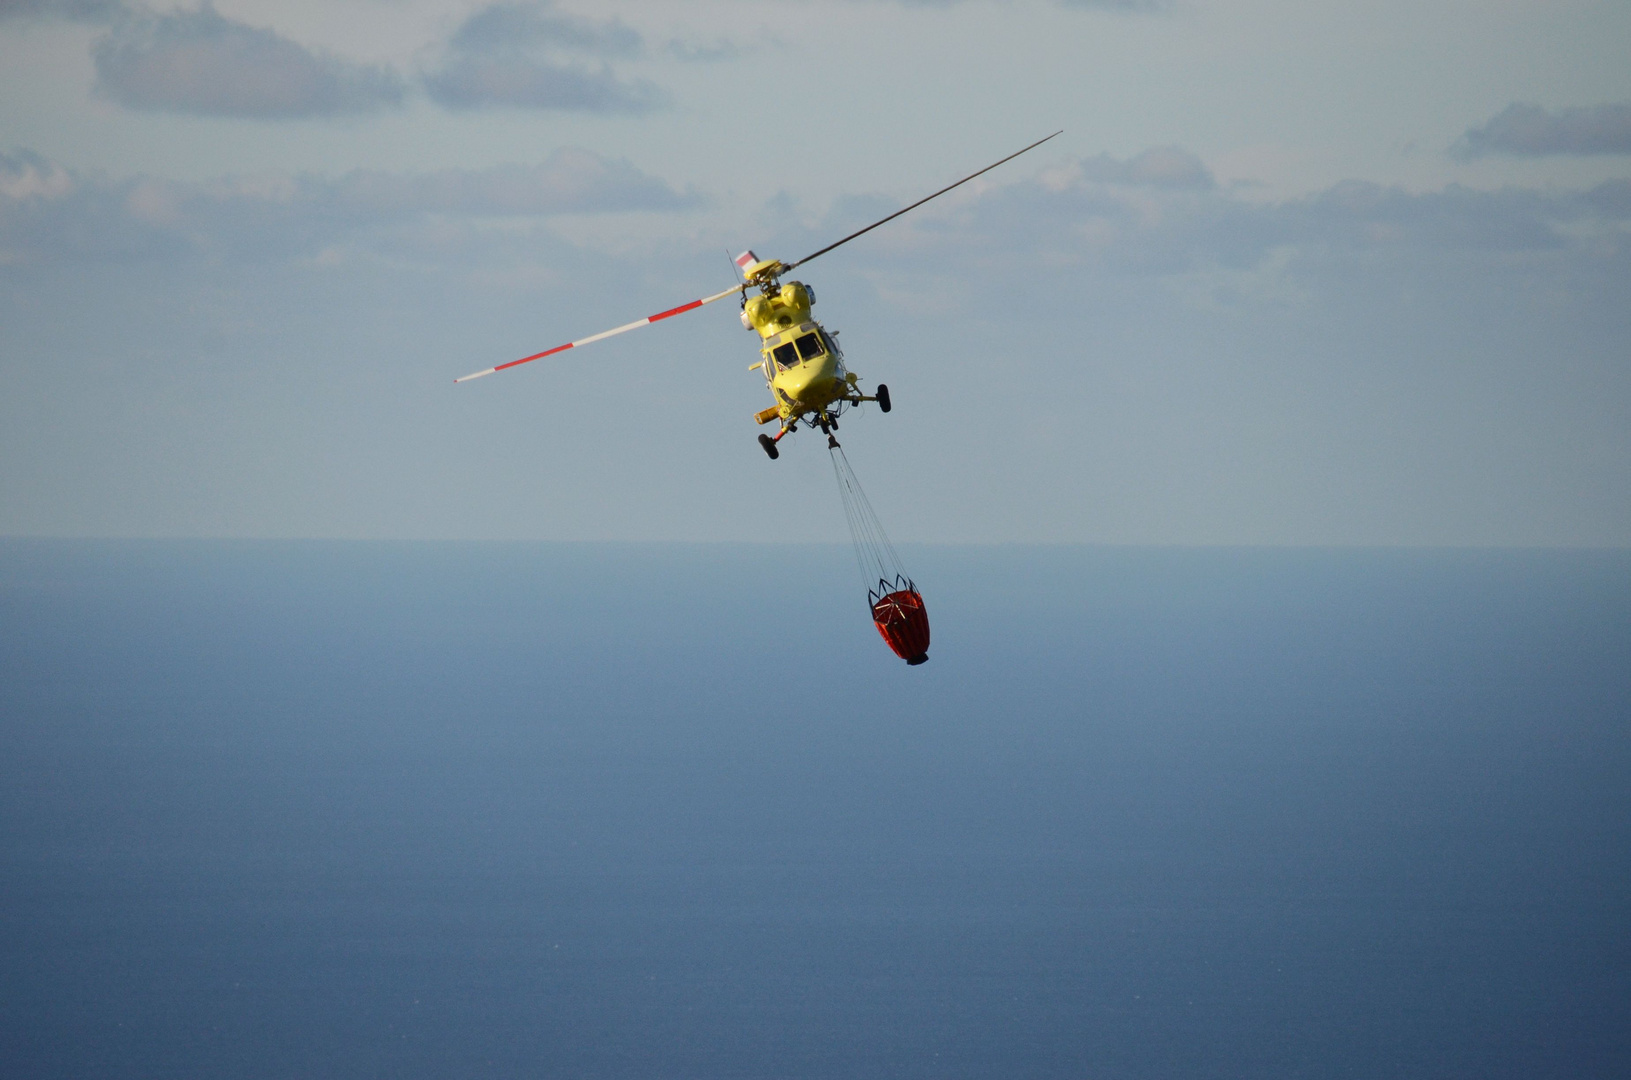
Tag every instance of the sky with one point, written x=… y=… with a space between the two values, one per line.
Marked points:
x=1305 y=273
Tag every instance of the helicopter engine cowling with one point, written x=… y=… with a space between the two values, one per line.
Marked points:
x=771 y=313
x=797 y=295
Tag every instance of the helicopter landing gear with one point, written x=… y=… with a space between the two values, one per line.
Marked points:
x=883 y=397
x=770 y=447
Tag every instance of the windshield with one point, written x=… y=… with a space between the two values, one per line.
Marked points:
x=810 y=346
x=785 y=356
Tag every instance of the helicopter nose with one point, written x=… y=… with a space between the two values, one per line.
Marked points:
x=813 y=377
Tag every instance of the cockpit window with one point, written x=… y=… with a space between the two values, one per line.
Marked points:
x=809 y=345
x=785 y=356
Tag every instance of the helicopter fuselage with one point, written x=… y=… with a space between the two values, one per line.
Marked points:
x=802 y=364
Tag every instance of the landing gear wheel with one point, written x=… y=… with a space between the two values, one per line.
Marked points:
x=770 y=447
x=883 y=397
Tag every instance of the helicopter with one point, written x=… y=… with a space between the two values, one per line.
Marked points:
x=802 y=364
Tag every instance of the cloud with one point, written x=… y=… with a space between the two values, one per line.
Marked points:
x=1125 y=6
x=506 y=26
x=522 y=82
x=75 y=10
x=528 y=56
x=1611 y=199
x=1526 y=130
x=1160 y=166
x=201 y=63
x=1121 y=6
x=49 y=213
x=27 y=175
x=505 y=55
x=693 y=53
x=1158 y=214
x=570 y=181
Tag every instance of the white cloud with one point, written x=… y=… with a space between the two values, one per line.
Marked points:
x=1126 y=6
x=1160 y=167
x=569 y=181
x=26 y=175
x=204 y=64
x=1156 y=213
x=1159 y=213
x=505 y=55
x=521 y=25
x=47 y=213
x=79 y=10
x=511 y=80
x=1119 y=6
x=528 y=56
x=691 y=52
x=1525 y=130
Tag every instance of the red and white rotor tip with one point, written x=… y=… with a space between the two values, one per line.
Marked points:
x=625 y=328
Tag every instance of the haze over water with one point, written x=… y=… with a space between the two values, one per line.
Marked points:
x=482 y=810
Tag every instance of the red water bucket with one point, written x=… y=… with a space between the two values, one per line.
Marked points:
x=904 y=623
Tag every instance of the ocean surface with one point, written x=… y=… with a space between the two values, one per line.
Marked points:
x=303 y=810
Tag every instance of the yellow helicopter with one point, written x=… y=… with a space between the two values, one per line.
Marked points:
x=801 y=361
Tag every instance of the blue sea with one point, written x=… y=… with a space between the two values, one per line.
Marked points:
x=418 y=810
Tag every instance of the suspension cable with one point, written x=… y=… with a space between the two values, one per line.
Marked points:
x=875 y=556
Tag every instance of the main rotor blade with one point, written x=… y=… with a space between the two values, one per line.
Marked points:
x=920 y=202
x=670 y=313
